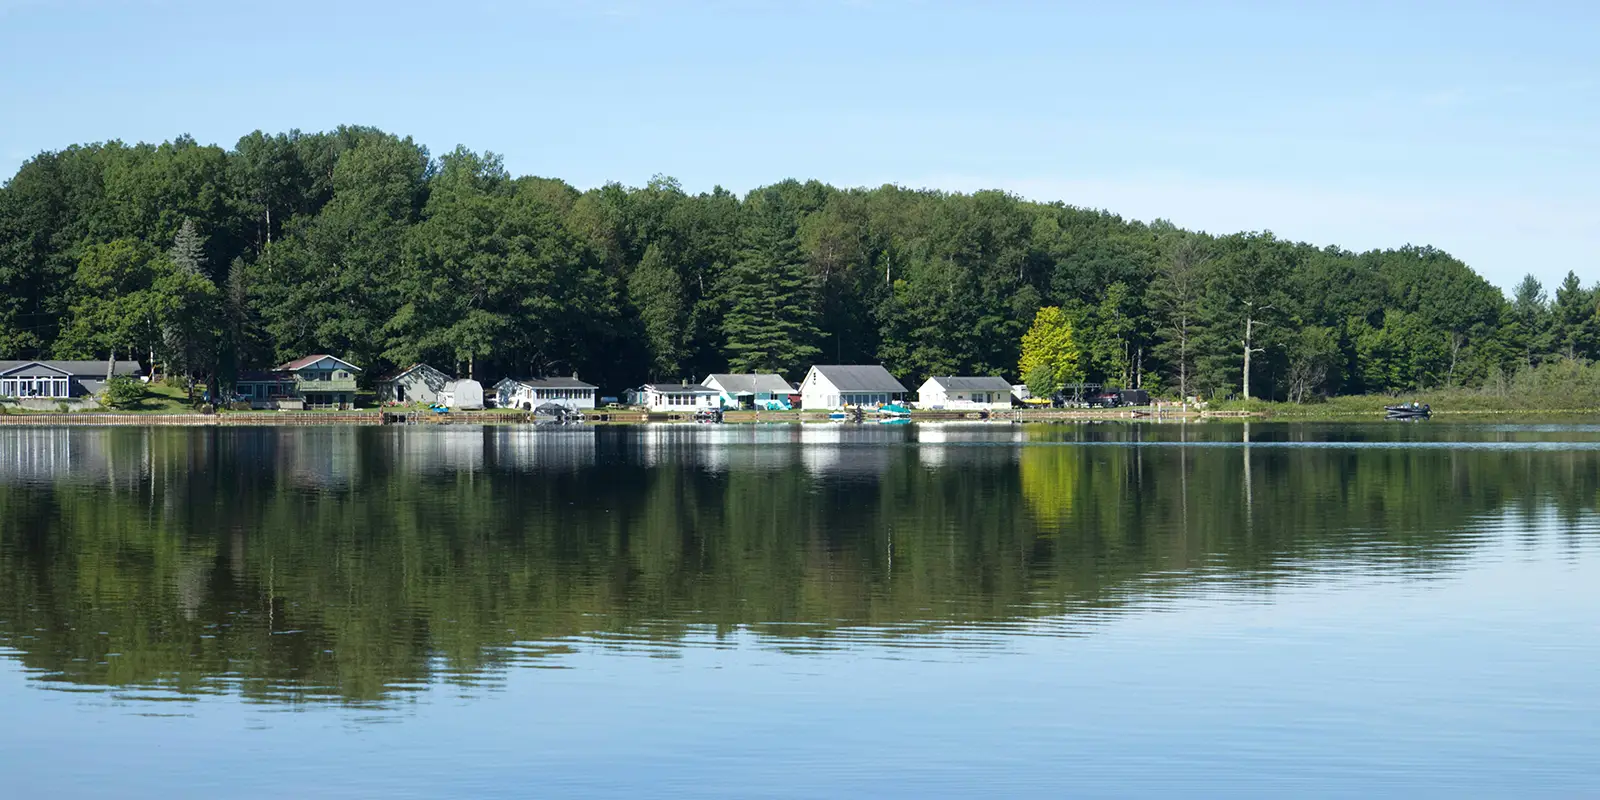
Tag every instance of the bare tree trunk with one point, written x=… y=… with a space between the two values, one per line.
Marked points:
x=1249 y=338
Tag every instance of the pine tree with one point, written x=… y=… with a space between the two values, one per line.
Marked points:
x=188 y=251
x=771 y=322
x=187 y=300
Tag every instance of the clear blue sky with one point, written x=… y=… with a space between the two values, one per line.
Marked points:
x=1471 y=126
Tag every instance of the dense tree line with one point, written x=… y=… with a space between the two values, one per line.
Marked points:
x=360 y=243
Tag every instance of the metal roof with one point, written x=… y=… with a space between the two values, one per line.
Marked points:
x=302 y=363
x=397 y=375
x=679 y=389
x=859 y=378
x=750 y=384
x=77 y=367
x=972 y=384
x=555 y=383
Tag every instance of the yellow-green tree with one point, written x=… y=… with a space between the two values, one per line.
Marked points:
x=1050 y=356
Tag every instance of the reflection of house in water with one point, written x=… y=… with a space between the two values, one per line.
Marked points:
x=850 y=450
x=542 y=447
x=439 y=448
x=721 y=448
x=31 y=454
x=947 y=444
x=320 y=457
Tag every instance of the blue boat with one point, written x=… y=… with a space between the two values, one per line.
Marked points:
x=893 y=410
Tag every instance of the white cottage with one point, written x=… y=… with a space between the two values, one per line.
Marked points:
x=418 y=383
x=463 y=395
x=530 y=393
x=964 y=394
x=686 y=397
x=768 y=392
x=837 y=386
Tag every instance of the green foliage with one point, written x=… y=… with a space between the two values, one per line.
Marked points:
x=656 y=291
x=1050 y=357
x=771 y=319
x=356 y=242
x=124 y=392
x=1042 y=381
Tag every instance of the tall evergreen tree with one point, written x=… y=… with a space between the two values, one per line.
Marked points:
x=771 y=321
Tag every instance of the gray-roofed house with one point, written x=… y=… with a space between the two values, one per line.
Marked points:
x=964 y=393
x=768 y=392
x=530 y=393
x=418 y=383
x=837 y=386
x=46 y=383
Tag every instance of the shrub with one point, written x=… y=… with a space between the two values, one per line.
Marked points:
x=123 y=391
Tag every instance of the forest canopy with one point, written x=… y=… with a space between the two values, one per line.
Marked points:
x=360 y=243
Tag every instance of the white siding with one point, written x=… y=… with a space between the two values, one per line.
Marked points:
x=817 y=393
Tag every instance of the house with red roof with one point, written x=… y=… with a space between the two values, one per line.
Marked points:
x=317 y=381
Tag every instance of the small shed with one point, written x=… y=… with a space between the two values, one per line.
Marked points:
x=418 y=383
x=463 y=395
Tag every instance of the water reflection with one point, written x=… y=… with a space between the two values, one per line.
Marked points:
x=359 y=564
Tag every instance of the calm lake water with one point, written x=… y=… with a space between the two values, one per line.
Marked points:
x=801 y=611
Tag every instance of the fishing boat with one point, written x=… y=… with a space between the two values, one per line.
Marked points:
x=1408 y=411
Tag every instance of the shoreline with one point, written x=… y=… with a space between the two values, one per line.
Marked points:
x=375 y=417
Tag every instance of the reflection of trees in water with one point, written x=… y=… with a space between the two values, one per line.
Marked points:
x=288 y=564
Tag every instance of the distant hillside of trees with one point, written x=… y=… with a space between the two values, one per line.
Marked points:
x=359 y=243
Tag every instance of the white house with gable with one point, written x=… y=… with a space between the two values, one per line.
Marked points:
x=964 y=394
x=837 y=386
